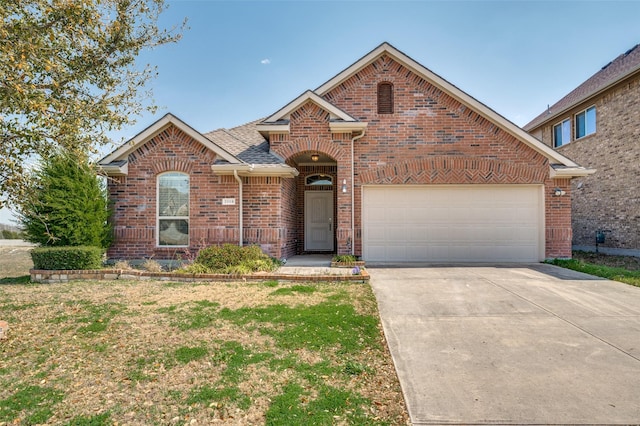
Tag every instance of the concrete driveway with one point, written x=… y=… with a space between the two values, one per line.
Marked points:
x=513 y=344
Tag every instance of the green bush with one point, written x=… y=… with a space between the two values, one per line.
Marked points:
x=232 y=259
x=65 y=204
x=344 y=258
x=57 y=258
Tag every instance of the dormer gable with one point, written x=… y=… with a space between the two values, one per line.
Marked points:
x=339 y=121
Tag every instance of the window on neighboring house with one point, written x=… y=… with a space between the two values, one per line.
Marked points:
x=586 y=122
x=173 y=209
x=562 y=133
x=385 y=98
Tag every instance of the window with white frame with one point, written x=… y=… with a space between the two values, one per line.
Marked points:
x=586 y=122
x=173 y=209
x=562 y=133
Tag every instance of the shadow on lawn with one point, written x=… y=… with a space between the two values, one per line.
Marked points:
x=24 y=279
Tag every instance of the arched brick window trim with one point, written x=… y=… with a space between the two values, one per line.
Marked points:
x=385 y=98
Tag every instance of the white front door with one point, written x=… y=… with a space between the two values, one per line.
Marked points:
x=318 y=221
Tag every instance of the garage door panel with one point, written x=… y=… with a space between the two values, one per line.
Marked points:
x=452 y=223
x=419 y=233
x=396 y=212
x=377 y=214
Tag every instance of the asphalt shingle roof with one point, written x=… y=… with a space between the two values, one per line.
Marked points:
x=616 y=70
x=245 y=143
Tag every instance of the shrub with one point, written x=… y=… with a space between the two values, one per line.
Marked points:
x=66 y=204
x=194 y=268
x=77 y=257
x=151 y=265
x=232 y=259
x=123 y=265
x=344 y=258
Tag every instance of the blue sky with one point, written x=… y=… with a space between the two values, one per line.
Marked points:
x=243 y=60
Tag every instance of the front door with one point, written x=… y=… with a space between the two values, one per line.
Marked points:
x=318 y=221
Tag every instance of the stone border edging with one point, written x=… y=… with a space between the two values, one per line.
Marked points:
x=63 y=276
x=358 y=263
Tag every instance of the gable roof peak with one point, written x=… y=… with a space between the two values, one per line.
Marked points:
x=123 y=151
x=283 y=114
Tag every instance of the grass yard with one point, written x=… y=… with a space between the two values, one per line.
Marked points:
x=625 y=269
x=149 y=352
x=107 y=353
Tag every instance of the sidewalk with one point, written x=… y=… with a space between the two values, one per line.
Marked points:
x=312 y=264
x=15 y=243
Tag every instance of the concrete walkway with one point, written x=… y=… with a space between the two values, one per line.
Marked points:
x=311 y=264
x=528 y=344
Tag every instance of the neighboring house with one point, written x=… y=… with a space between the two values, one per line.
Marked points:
x=386 y=160
x=598 y=125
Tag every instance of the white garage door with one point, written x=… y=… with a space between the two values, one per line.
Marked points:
x=453 y=223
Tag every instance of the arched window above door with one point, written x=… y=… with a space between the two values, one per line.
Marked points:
x=318 y=179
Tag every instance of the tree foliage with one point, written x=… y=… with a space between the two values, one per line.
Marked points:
x=67 y=204
x=68 y=75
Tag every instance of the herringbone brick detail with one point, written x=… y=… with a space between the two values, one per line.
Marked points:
x=309 y=111
x=176 y=137
x=453 y=170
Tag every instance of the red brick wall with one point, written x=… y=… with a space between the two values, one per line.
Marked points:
x=134 y=197
x=288 y=245
x=210 y=223
x=263 y=223
x=310 y=133
x=430 y=138
x=558 y=232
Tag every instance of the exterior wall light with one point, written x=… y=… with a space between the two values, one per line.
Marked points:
x=344 y=185
x=315 y=157
x=557 y=192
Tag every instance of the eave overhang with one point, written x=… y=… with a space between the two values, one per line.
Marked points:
x=254 y=170
x=116 y=168
x=347 y=126
x=563 y=172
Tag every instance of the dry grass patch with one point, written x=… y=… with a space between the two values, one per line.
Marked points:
x=182 y=353
x=15 y=261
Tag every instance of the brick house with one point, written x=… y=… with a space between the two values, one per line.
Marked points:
x=386 y=160
x=598 y=125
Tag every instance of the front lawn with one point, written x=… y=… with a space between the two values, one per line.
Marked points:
x=625 y=269
x=150 y=352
